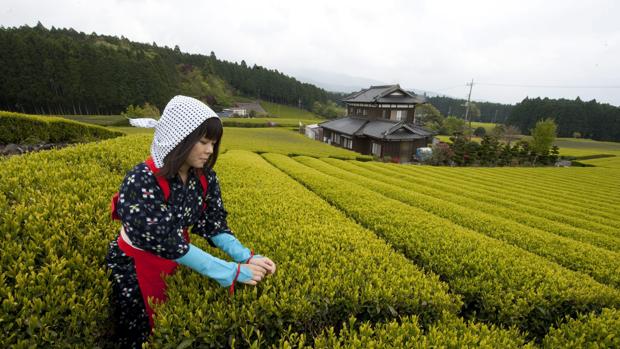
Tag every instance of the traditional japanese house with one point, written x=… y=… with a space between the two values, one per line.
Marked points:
x=380 y=121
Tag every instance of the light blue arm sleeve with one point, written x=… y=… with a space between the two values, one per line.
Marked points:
x=221 y=271
x=229 y=244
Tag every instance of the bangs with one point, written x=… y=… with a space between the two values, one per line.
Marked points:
x=212 y=129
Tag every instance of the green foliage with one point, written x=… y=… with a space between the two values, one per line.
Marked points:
x=288 y=112
x=452 y=125
x=489 y=112
x=266 y=122
x=328 y=110
x=450 y=332
x=480 y=131
x=601 y=264
x=500 y=283
x=429 y=116
x=499 y=194
x=146 y=110
x=55 y=228
x=590 y=119
x=543 y=136
x=21 y=128
x=281 y=141
x=490 y=152
x=207 y=87
x=70 y=72
x=588 y=331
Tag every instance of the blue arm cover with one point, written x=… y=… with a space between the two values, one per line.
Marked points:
x=231 y=246
x=221 y=271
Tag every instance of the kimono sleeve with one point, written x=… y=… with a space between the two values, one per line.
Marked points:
x=150 y=223
x=212 y=221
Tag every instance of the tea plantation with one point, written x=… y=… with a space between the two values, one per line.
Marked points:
x=369 y=254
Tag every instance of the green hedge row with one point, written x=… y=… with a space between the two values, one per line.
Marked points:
x=587 y=331
x=30 y=129
x=499 y=283
x=545 y=206
x=594 y=214
x=601 y=264
x=466 y=195
x=450 y=332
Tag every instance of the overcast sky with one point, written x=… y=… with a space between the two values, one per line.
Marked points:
x=511 y=49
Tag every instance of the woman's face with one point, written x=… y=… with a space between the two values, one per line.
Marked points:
x=200 y=153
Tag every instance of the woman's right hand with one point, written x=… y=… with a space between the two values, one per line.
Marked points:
x=258 y=273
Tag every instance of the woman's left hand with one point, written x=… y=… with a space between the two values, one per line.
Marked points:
x=264 y=262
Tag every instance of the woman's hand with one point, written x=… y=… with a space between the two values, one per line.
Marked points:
x=265 y=263
x=258 y=273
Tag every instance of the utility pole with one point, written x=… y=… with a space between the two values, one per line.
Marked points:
x=471 y=84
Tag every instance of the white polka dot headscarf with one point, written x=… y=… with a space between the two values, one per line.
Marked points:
x=181 y=117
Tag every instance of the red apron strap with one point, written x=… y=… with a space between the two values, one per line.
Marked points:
x=162 y=181
x=113 y=206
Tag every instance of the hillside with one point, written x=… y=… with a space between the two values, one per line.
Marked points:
x=62 y=71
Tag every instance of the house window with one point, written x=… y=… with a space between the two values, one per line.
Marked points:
x=335 y=138
x=397 y=114
x=347 y=142
x=384 y=114
x=376 y=149
x=365 y=112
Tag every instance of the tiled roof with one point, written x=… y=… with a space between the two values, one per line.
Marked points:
x=383 y=94
x=380 y=129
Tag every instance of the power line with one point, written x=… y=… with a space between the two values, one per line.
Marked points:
x=548 y=86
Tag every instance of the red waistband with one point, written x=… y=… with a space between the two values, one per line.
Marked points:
x=154 y=260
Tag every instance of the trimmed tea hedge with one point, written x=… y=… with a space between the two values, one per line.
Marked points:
x=450 y=332
x=601 y=264
x=499 y=283
x=591 y=331
x=22 y=128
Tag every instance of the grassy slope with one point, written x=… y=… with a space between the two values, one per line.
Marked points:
x=272 y=140
x=285 y=111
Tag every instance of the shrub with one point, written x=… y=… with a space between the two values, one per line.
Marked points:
x=22 y=128
x=480 y=131
x=146 y=110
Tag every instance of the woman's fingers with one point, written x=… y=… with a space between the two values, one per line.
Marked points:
x=266 y=263
x=258 y=272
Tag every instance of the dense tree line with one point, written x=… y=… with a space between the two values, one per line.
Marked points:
x=575 y=118
x=62 y=71
x=489 y=112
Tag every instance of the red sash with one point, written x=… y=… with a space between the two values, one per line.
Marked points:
x=151 y=271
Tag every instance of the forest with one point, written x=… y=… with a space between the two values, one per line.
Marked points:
x=575 y=118
x=62 y=71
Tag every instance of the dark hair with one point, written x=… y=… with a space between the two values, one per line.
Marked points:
x=212 y=129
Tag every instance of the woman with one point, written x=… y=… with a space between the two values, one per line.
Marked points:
x=158 y=200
